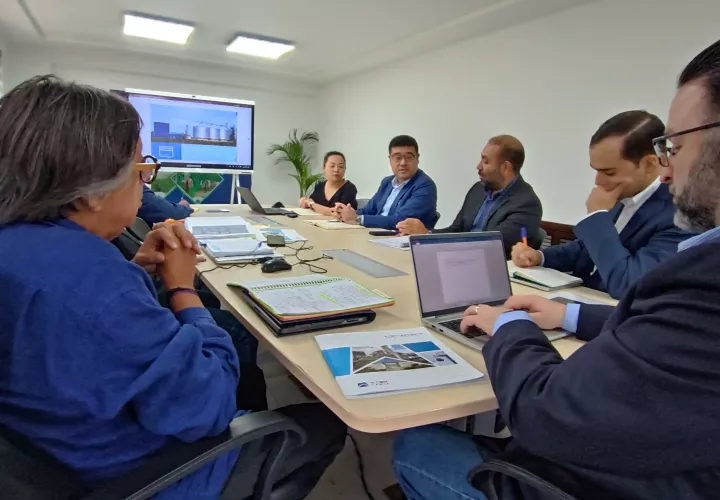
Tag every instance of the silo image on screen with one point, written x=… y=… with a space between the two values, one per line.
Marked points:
x=183 y=133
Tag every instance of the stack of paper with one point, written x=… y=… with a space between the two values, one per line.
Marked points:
x=205 y=228
x=392 y=362
x=302 y=211
x=542 y=278
x=237 y=247
x=399 y=242
x=332 y=224
x=312 y=296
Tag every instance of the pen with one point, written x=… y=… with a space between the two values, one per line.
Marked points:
x=523 y=235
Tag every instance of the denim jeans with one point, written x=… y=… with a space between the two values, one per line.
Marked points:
x=433 y=463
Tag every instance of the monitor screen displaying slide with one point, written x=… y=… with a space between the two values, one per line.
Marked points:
x=195 y=133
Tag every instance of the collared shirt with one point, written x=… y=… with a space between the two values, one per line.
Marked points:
x=630 y=208
x=488 y=205
x=396 y=188
x=632 y=205
x=572 y=311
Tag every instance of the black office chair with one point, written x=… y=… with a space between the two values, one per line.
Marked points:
x=28 y=473
x=435 y=221
x=510 y=473
x=139 y=229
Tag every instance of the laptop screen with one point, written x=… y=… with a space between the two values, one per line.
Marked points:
x=455 y=271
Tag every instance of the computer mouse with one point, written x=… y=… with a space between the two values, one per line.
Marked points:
x=292 y=215
x=275 y=265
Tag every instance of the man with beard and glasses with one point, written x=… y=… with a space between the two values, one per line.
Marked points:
x=500 y=201
x=634 y=413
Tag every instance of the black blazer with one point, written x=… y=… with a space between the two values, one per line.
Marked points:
x=519 y=207
x=636 y=410
x=346 y=194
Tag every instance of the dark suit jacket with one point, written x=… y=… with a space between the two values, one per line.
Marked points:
x=155 y=209
x=519 y=207
x=417 y=199
x=636 y=410
x=621 y=259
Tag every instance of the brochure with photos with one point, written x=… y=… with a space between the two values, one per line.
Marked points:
x=392 y=362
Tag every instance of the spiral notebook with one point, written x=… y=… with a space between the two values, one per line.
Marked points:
x=313 y=296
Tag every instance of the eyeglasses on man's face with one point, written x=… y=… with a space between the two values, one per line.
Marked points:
x=148 y=169
x=664 y=151
x=399 y=157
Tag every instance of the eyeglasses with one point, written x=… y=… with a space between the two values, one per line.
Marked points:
x=148 y=169
x=409 y=157
x=665 y=152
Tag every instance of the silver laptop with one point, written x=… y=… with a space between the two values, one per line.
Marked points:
x=254 y=204
x=455 y=271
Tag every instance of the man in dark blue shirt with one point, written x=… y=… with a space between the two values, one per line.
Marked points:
x=500 y=201
x=155 y=209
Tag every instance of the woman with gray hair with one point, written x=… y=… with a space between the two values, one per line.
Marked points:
x=92 y=369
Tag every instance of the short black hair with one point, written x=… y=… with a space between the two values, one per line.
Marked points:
x=705 y=66
x=638 y=127
x=404 y=141
x=333 y=153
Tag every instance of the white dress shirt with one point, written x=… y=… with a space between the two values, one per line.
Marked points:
x=630 y=208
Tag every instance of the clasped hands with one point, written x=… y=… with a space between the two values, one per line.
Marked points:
x=165 y=238
x=546 y=313
x=344 y=213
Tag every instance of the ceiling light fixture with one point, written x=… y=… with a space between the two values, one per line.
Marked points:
x=157 y=28
x=259 y=46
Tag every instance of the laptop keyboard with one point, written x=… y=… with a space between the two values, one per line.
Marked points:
x=454 y=325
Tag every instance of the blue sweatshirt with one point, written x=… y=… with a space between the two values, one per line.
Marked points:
x=155 y=209
x=94 y=371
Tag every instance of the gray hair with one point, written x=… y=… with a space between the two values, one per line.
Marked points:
x=60 y=142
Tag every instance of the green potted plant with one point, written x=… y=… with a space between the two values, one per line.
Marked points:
x=294 y=151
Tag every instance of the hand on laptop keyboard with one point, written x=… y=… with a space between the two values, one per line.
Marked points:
x=454 y=325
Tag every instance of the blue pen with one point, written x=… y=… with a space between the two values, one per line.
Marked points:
x=523 y=235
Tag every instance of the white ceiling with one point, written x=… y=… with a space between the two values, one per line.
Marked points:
x=334 y=38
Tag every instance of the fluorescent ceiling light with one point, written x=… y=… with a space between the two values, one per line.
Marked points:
x=252 y=45
x=155 y=28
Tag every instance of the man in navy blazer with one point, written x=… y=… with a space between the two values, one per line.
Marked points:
x=408 y=193
x=634 y=413
x=629 y=228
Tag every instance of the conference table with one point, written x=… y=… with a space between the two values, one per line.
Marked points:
x=301 y=356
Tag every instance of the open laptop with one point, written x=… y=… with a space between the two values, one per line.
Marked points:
x=254 y=204
x=455 y=271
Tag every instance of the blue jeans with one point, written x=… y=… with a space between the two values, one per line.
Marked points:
x=433 y=463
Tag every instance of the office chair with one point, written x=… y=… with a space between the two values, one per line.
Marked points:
x=139 y=229
x=512 y=472
x=362 y=202
x=29 y=473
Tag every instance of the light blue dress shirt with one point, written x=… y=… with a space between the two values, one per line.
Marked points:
x=572 y=311
x=396 y=188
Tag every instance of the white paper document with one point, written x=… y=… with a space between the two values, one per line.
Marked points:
x=392 y=362
x=333 y=225
x=237 y=247
x=398 y=242
x=302 y=211
x=204 y=228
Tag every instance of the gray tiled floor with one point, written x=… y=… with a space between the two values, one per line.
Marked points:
x=342 y=479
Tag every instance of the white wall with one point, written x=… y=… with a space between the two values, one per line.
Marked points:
x=550 y=82
x=281 y=104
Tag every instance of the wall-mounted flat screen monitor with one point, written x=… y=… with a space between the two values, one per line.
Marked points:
x=188 y=132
